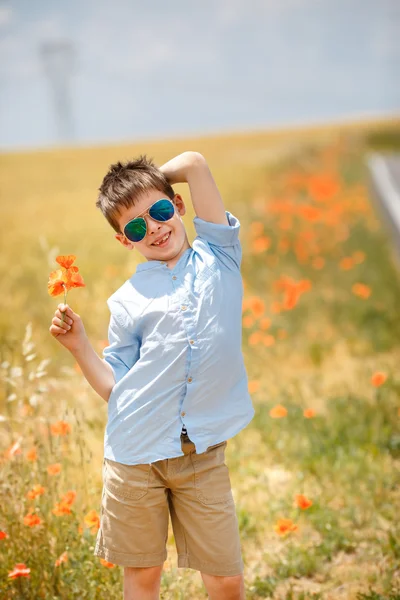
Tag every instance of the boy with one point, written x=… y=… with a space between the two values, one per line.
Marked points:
x=174 y=379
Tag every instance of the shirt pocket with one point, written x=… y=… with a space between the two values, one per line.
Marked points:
x=127 y=482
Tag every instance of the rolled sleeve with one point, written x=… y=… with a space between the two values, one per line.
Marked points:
x=123 y=349
x=222 y=239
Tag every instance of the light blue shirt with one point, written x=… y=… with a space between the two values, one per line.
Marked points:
x=175 y=347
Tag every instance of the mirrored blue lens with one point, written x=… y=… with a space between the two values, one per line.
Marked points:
x=162 y=210
x=135 y=230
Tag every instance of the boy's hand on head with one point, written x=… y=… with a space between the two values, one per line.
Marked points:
x=178 y=168
x=70 y=332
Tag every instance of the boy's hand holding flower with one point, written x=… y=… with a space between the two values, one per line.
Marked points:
x=66 y=321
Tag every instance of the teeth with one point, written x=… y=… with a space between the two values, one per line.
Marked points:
x=162 y=240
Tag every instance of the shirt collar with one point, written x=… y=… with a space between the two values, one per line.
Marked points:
x=152 y=264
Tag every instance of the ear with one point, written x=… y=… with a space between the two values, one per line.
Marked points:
x=179 y=203
x=124 y=241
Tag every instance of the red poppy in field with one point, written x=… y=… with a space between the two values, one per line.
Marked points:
x=92 y=520
x=278 y=411
x=32 y=519
x=61 y=509
x=309 y=413
x=64 y=279
x=256 y=305
x=54 y=469
x=253 y=386
x=69 y=497
x=284 y=526
x=20 y=570
x=36 y=491
x=3 y=535
x=346 y=263
x=60 y=428
x=361 y=290
x=323 y=187
x=248 y=321
x=302 y=501
x=378 y=378
x=31 y=454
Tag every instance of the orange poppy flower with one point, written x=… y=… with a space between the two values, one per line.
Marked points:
x=256 y=306
x=278 y=411
x=248 y=321
x=346 y=263
x=255 y=338
x=31 y=454
x=69 y=497
x=361 y=290
x=253 y=386
x=57 y=283
x=309 y=413
x=20 y=570
x=265 y=323
x=302 y=501
x=323 y=187
x=54 y=469
x=378 y=378
x=36 y=491
x=62 y=280
x=92 y=520
x=61 y=509
x=284 y=526
x=66 y=260
x=261 y=243
x=3 y=535
x=61 y=559
x=60 y=428
x=107 y=564
x=32 y=519
x=268 y=340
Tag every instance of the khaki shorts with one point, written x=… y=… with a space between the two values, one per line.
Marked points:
x=194 y=489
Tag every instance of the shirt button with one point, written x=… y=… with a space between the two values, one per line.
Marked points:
x=183 y=413
x=191 y=341
x=183 y=307
x=190 y=379
x=173 y=277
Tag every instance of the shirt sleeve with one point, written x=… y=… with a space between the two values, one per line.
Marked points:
x=123 y=349
x=223 y=240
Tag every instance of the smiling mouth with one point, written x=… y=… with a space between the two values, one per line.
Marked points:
x=164 y=240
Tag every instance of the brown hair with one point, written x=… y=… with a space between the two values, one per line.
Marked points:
x=124 y=182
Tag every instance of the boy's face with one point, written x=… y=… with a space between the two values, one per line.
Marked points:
x=177 y=242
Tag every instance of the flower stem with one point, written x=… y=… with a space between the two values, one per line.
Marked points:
x=65 y=302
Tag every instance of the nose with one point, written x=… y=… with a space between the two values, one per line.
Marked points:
x=152 y=225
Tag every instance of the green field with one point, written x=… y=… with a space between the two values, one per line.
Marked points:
x=321 y=341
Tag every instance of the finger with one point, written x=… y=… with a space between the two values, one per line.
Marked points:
x=65 y=309
x=59 y=314
x=60 y=323
x=54 y=330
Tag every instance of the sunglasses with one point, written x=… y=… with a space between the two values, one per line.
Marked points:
x=162 y=210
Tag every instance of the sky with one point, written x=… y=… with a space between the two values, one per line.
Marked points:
x=134 y=70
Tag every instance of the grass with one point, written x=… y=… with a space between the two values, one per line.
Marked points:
x=320 y=340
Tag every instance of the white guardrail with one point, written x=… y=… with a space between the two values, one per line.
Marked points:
x=384 y=170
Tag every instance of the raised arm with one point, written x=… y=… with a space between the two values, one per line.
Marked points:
x=192 y=168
